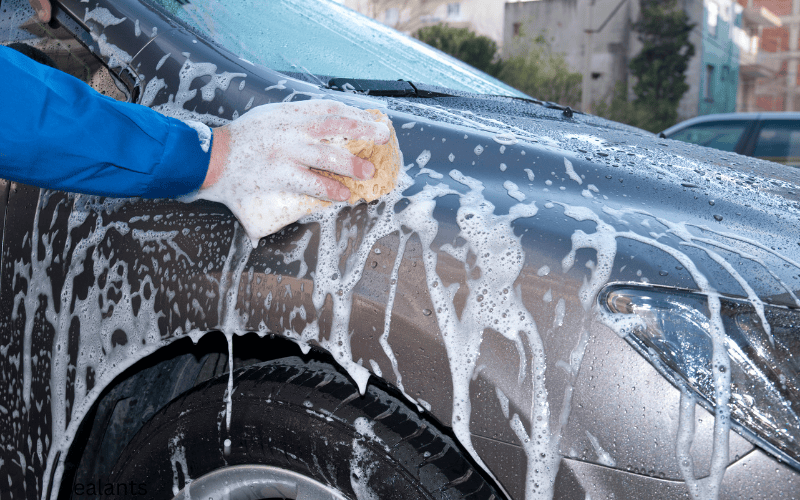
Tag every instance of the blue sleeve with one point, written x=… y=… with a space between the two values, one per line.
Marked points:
x=59 y=133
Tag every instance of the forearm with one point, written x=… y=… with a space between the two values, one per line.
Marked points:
x=219 y=156
x=60 y=134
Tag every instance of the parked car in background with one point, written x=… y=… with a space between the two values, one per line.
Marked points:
x=550 y=305
x=768 y=136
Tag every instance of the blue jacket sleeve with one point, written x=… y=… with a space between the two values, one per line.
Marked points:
x=59 y=133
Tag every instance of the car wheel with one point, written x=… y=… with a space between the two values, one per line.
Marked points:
x=297 y=430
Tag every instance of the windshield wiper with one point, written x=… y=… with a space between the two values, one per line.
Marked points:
x=405 y=88
x=386 y=88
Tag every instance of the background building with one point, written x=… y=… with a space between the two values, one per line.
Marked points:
x=771 y=76
x=758 y=69
x=597 y=40
x=484 y=17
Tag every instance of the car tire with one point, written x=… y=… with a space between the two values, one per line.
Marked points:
x=294 y=420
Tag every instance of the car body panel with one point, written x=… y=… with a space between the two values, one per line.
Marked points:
x=539 y=209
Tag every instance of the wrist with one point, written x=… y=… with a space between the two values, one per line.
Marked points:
x=220 y=147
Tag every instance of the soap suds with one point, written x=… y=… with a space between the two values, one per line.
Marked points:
x=493 y=301
x=530 y=174
x=102 y=16
x=423 y=158
x=603 y=457
x=178 y=460
x=362 y=462
x=571 y=172
x=264 y=204
x=513 y=191
x=203 y=133
x=503 y=399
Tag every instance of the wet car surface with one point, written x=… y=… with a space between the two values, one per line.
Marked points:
x=493 y=291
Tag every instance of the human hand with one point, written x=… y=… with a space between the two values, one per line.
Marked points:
x=43 y=9
x=261 y=163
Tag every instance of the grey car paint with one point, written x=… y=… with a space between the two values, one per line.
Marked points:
x=91 y=286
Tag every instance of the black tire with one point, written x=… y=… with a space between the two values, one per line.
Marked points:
x=302 y=417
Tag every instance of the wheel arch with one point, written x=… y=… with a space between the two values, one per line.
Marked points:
x=174 y=369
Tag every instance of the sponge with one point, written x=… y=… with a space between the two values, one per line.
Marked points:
x=385 y=158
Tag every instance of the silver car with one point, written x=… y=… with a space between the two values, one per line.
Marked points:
x=772 y=136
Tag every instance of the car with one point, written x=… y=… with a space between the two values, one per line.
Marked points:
x=549 y=304
x=770 y=136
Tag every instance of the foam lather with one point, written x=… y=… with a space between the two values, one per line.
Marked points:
x=385 y=158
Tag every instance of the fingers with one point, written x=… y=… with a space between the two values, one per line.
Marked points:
x=324 y=107
x=336 y=160
x=43 y=9
x=334 y=127
x=320 y=186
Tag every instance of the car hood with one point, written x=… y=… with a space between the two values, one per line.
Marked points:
x=670 y=192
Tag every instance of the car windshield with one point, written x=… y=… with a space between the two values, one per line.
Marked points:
x=325 y=39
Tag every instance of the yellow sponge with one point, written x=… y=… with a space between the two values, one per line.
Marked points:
x=385 y=157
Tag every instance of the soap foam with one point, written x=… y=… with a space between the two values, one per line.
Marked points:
x=264 y=201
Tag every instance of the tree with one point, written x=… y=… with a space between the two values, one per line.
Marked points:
x=531 y=68
x=534 y=69
x=659 y=69
x=476 y=50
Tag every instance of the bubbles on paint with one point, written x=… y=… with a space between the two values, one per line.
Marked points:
x=505 y=138
x=571 y=172
x=513 y=191
x=423 y=158
x=530 y=174
x=478 y=149
x=162 y=60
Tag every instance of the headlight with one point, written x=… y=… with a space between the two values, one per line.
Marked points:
x=670 y=328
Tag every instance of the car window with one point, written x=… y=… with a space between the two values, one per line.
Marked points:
x=779 y=141
x=722 y=135
x=19 y=28
x=326 y=39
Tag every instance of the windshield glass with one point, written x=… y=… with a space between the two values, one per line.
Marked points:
x=323 y=38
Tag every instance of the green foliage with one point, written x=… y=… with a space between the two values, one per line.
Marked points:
x=620 y=109
x=533 y=68
x=659 y=69
x=536 y=70
x=476 y=50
